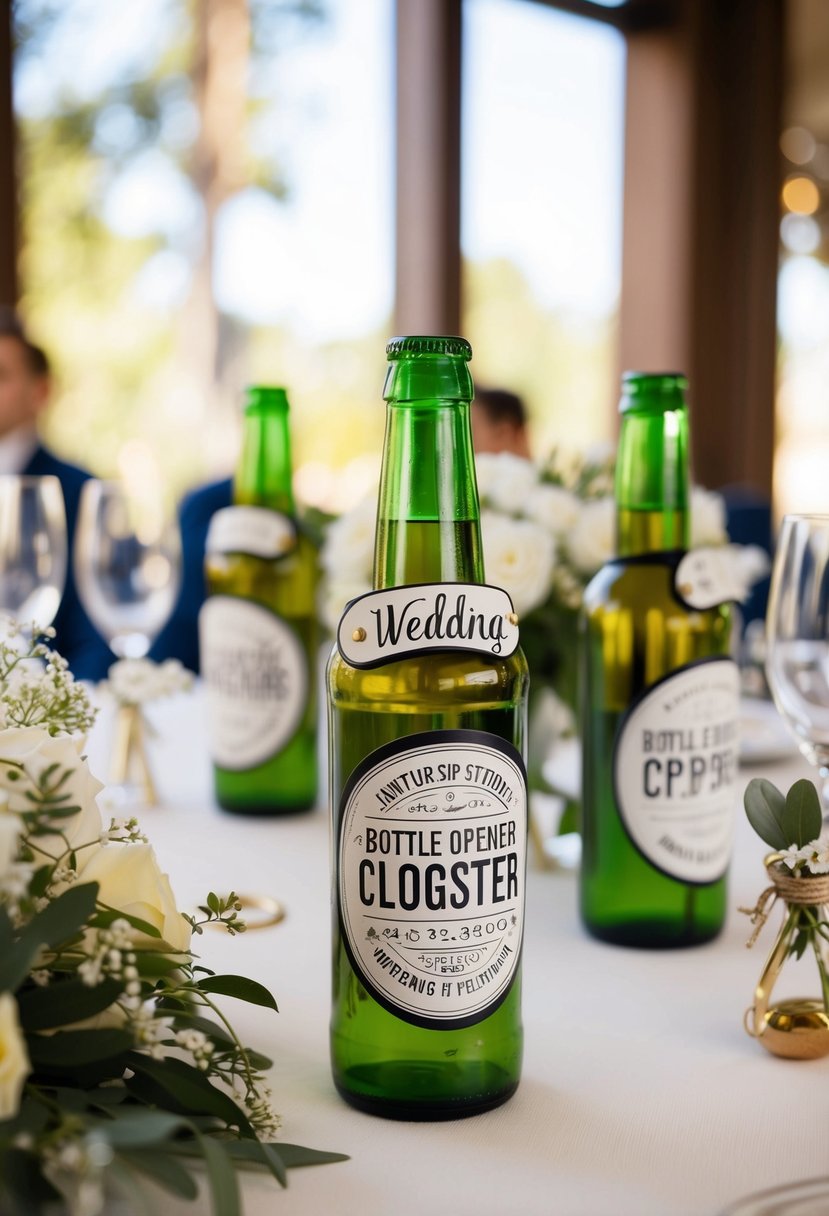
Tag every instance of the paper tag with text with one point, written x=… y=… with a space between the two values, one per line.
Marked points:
x=387 y=625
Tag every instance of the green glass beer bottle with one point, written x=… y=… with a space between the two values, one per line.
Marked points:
x=257 y=628
x=427 y=719
x=659 y=698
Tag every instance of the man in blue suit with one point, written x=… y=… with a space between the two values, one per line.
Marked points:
x=179 y=639
x=24 y=392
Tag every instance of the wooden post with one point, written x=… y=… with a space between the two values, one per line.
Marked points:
x=8 y=173
x=700 y=245
x=428 y=262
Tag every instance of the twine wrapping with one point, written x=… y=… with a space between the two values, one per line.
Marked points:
x=796 y=889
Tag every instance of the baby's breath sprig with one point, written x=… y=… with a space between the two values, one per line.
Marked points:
x=38 y=689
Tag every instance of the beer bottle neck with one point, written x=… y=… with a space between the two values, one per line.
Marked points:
x=652 y=475
x=428 y=520
x=263 y=474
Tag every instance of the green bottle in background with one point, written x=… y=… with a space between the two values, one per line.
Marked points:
x=659 y=699
x=257 y=628
x=428 y=786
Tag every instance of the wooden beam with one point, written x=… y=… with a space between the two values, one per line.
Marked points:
x=428 y=261
x=700 y=243
x=739 y=57
x=8 y=170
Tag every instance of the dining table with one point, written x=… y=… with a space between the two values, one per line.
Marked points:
x=641 y=1092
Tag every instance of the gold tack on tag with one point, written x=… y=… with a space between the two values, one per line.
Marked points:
x=686 y=589
x=359 y=635
x=512 y=617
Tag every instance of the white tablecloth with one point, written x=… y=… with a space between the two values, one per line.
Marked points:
x=641 y=1093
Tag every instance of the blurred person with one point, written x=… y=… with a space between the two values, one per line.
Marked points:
x=499 y=422
x=25 y=387
x=179 y=639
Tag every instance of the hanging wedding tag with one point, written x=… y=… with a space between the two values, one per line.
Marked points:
x=707 y=577
x=398 y=621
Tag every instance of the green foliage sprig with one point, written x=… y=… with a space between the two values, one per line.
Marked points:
x=792 y=823
x=117 y=1058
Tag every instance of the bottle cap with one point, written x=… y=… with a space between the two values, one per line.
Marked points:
x=653 y=391
x=267 y=395
x=425 y=345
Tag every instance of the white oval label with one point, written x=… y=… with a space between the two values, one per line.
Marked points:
x=256 y=681
x=675 y=771
x=399 y=621
x=431 y=865
x=254 y=530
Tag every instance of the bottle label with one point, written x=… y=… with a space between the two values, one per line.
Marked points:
x=256 y=680
x=675 y=770
x=426 y=617
x=254 y=530
x=431 y=874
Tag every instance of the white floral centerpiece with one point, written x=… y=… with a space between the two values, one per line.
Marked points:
x=115 y=1059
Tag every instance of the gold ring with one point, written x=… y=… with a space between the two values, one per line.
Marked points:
x=272 y=909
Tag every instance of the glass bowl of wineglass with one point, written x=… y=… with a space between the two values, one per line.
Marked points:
x=797 y=636
x=127 y=561
x=32 y=550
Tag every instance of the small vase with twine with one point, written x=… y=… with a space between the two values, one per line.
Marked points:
x=132 y=683
x=796 y=1028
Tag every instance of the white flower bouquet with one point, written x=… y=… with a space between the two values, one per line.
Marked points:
x=115 y=1060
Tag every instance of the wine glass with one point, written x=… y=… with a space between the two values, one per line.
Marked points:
x=797 y=636
x=32 y=550
x=127 y=560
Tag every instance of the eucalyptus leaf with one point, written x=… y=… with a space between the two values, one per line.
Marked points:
x=240 y=987
x=58 y=921
x=164 y=1169
x=21 y=1179
x=256 y=1152
x=188 y=1089
x=64 y=916
x=106 y=915
x=224 y=1185
x=295 y=1155
x=765 y=807
x=138 y=1126
x=65 y=1001
x=69 y=1050
x=802 y=819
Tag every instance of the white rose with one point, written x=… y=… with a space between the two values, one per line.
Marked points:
x=506 y=481
x=707 y=518
x=518 y=556
x=14 y=1059
x=131 y=881
x=553 y=507
x=591 y=541
x=348 y=548
x=36 y=750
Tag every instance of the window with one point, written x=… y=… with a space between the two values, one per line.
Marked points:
x=543 y=108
